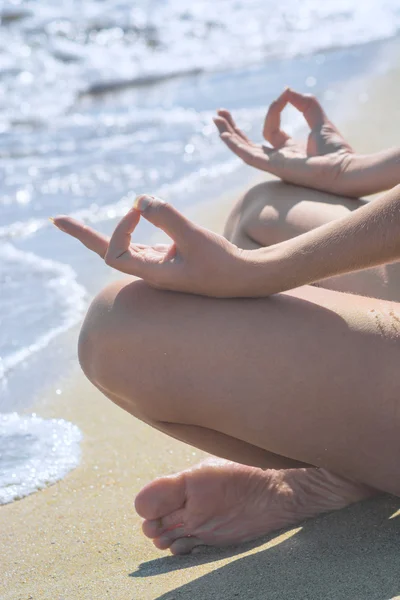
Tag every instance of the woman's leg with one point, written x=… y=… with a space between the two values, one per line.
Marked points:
x=273 y=211
x=309 y=375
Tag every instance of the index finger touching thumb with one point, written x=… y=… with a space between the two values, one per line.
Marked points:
x=166 y=217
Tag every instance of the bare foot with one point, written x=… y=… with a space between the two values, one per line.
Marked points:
x=219 y=503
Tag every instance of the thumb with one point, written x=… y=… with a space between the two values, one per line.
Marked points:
x=166 y=217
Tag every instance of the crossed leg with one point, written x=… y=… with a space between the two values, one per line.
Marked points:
x=272 y=212
x=300 y=390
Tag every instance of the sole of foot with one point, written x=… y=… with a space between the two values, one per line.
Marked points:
x=221 y=503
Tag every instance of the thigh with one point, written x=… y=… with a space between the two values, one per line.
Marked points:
x=273 y=211
x=311 y=375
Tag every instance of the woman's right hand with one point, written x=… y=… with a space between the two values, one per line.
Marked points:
x=197 y=261
x=324 y=162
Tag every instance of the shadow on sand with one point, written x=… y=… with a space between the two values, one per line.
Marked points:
x=353 y=554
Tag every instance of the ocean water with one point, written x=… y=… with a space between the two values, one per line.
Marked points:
x=34 y=453
x=101 y=100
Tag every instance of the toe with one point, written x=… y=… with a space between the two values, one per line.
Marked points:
x=152 y=529
x=161 y=497
x=169 y=537
x=185 y=545
x=156 y=527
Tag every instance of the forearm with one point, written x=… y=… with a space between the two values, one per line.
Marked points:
x=366 y=237
x=371 y=173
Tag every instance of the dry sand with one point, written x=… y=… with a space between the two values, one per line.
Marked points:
x=81 y=539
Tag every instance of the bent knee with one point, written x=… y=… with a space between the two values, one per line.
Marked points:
x=115 y=316
x=245 y=212
x=274 y=211
x=96 y=332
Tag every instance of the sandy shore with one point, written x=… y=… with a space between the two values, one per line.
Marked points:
x=80 y=539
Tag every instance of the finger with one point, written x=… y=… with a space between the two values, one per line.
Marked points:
x=255 y=156
x=272 y=124
x=90 y=238
x=167 y=218
x=243 y=151
x=222 y=125
x=309 y=106
x=225 y=114
x=121 y=238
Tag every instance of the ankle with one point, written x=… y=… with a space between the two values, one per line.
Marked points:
x=315 y=491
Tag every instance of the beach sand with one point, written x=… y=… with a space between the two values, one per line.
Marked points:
x=81 y=538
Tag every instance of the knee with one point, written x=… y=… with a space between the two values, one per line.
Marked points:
x=258 y=209
x=96 y=334
x=104 y=334
x=274 y=211
x=129 y=331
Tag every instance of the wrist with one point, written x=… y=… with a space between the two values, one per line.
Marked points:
x=263 y=271
x=299 y=261
x=370 y=173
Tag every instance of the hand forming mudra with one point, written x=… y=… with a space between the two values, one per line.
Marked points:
x=198 y=260
x=321 y=163
x=326 y=162
x=202 y=262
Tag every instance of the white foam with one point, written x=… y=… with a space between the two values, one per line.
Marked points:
x=35 y=453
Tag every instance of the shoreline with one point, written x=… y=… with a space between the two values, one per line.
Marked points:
x=80 y=538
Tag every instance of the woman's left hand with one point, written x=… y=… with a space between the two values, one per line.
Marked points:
x=197 y=261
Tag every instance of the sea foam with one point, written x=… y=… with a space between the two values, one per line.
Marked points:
x=34 y=453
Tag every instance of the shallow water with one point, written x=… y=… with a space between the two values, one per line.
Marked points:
x=34 y=453
x=104 y=100
x=55 y=50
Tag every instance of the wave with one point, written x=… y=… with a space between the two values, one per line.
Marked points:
x=56 y=50
x=107 y=86
x=35 y=453
x=42 y=293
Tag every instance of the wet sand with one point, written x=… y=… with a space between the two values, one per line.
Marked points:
x=81 y=539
